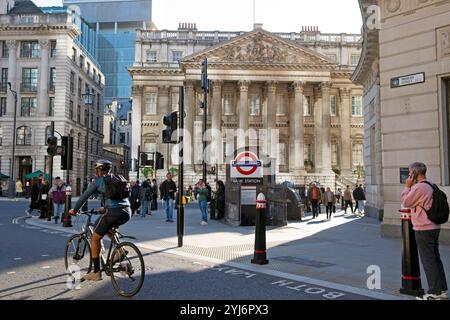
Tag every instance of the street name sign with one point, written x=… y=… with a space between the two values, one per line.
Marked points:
x=408 y=80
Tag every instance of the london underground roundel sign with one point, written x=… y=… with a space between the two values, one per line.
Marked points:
x=246 y=165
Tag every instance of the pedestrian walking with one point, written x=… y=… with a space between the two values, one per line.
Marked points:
x=154 y=203
x=146 y=196
x=27 y=189
x=322 y=191
x=202 y=197
x=360 y=199
x=34 y=196
x=58 y=196
x=220 y=200
x=418 y=196
x=315 y=196
x=19 y=189
x=348 y=200
x=135 y=198
x=337 y=194
x=330 y=201
x=168 y=189
x=355 y=196
x=44 y=200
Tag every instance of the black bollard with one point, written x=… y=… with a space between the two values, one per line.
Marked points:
x=260 y=256
x=411 y=283
x=67 y=221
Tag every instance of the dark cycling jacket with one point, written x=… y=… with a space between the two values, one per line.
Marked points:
x=98 y=186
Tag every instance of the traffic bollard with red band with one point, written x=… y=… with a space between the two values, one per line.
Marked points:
x=260 y=256
x=411 y=283
x=67 y=221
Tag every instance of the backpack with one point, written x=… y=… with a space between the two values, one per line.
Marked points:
x=116 y=187
x=439 y=211
x=209 y=195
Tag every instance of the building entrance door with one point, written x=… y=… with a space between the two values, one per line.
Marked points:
x=25 y=167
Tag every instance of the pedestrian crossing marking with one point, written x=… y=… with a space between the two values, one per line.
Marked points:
x=46 y=267
x=16 y=259
x=12 y=272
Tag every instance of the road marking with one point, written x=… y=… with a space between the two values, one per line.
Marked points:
x=17 y=259
x=46 y=267
x=12 y=272
x=45 y=255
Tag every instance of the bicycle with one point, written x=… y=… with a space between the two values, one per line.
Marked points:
x=123 y=263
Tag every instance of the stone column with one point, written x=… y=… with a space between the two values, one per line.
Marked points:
x=271 y=119
x=136 y=120
x=216 y=124
x=317 y=107
x=242 y=139
x=43 y=78
x=12 y=77
x=297 y=132
x=138 y=52
x=345 y=131
x=189 y=108
x=326 y=127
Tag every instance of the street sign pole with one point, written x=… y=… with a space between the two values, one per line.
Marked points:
x=180 y=212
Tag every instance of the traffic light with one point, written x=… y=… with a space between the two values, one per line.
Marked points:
x=144 y=159
x=159 y=161
x=67 y=153
x=205 y=82
x=171 y=123
x=52 y=143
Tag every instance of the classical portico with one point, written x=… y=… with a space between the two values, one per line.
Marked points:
x=265 y=91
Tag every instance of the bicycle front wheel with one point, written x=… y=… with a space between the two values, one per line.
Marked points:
x=77 y=257
x=127 y=269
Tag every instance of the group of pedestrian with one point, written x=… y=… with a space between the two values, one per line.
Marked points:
x=45 y=197
x=144 y=198
x=320 y=196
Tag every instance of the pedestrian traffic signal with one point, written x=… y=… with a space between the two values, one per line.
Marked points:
x=52 y=143
x=144 y=159
x=67 y=153
x=159 y=161
x=171 y=123
x=205 y=82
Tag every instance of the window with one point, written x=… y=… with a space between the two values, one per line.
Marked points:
x=332 y=57
x=29 y=79
x=333 y=106
x=357 y=154
x=23 y=136
x=123 y=122
x=98 y=124
x=79 y=140
x=79 y=87
x=86 y=118
x=74 y=54
x=175 y=99
x=228 y=104
x=122 y=137
x=81 y=61
x=150 y=103
x=51 y=106
x=151 y=56
x=1 y=136
x=354 y=59
x=4 y=49
x=72 y=82
x=281 y=154
x=309 y=154
x=177 y=56
x=281 y=105
x=52 y=78
x=149 y=147
x=4 y=79
x=88 y=68
x=2 y=106
x=94 y=74
x=97 y=148
x=26 y=105
x=53 y=48
x=29 y=49
x=334 y=154
x=92 y=122
x=255 y=105
x=79 y=114
x=357 y=106
x=307 y=106
x=98 y=102
x=71 y=110
x=92 y=145
x=99 y=79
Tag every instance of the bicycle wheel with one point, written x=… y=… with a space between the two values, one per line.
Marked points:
x=77 y=257
x=127 y=269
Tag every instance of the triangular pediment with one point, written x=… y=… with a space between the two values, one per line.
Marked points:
x=259 y=47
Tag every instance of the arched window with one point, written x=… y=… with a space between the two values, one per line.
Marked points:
x=23 y=136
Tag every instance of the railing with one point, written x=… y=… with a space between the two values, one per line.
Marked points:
x=28 y=87
x=21 y=19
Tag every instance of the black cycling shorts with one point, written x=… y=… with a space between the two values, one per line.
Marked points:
x=113 y=218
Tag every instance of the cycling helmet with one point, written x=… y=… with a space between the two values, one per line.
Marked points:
x=105 y=165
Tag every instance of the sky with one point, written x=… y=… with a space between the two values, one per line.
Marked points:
x=331 y=16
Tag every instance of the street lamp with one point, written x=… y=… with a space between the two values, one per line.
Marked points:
x=11 y=178
x=88 y=99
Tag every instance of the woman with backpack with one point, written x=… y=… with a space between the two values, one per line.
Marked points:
x=58 y=196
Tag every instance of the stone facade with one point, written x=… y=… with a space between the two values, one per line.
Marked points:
x=61 y=70
x=296 y=84
x=412 y=122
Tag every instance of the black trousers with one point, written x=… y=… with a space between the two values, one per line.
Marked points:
x=330 y=210
x=428 y=247
x=347 y=203
x=315 y=204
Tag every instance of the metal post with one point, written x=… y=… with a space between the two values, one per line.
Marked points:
x=260 y=256
x=50 y=175
x=86 y=165
x=180 y=212
x=411 y=282
x=68 y=160
x=205 y=119
x=138 y=162
x=12 y=191
x=154 y=165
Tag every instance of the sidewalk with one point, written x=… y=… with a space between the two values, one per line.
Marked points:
x=336 y=252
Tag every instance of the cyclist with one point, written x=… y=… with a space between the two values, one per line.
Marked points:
x=114 y=213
